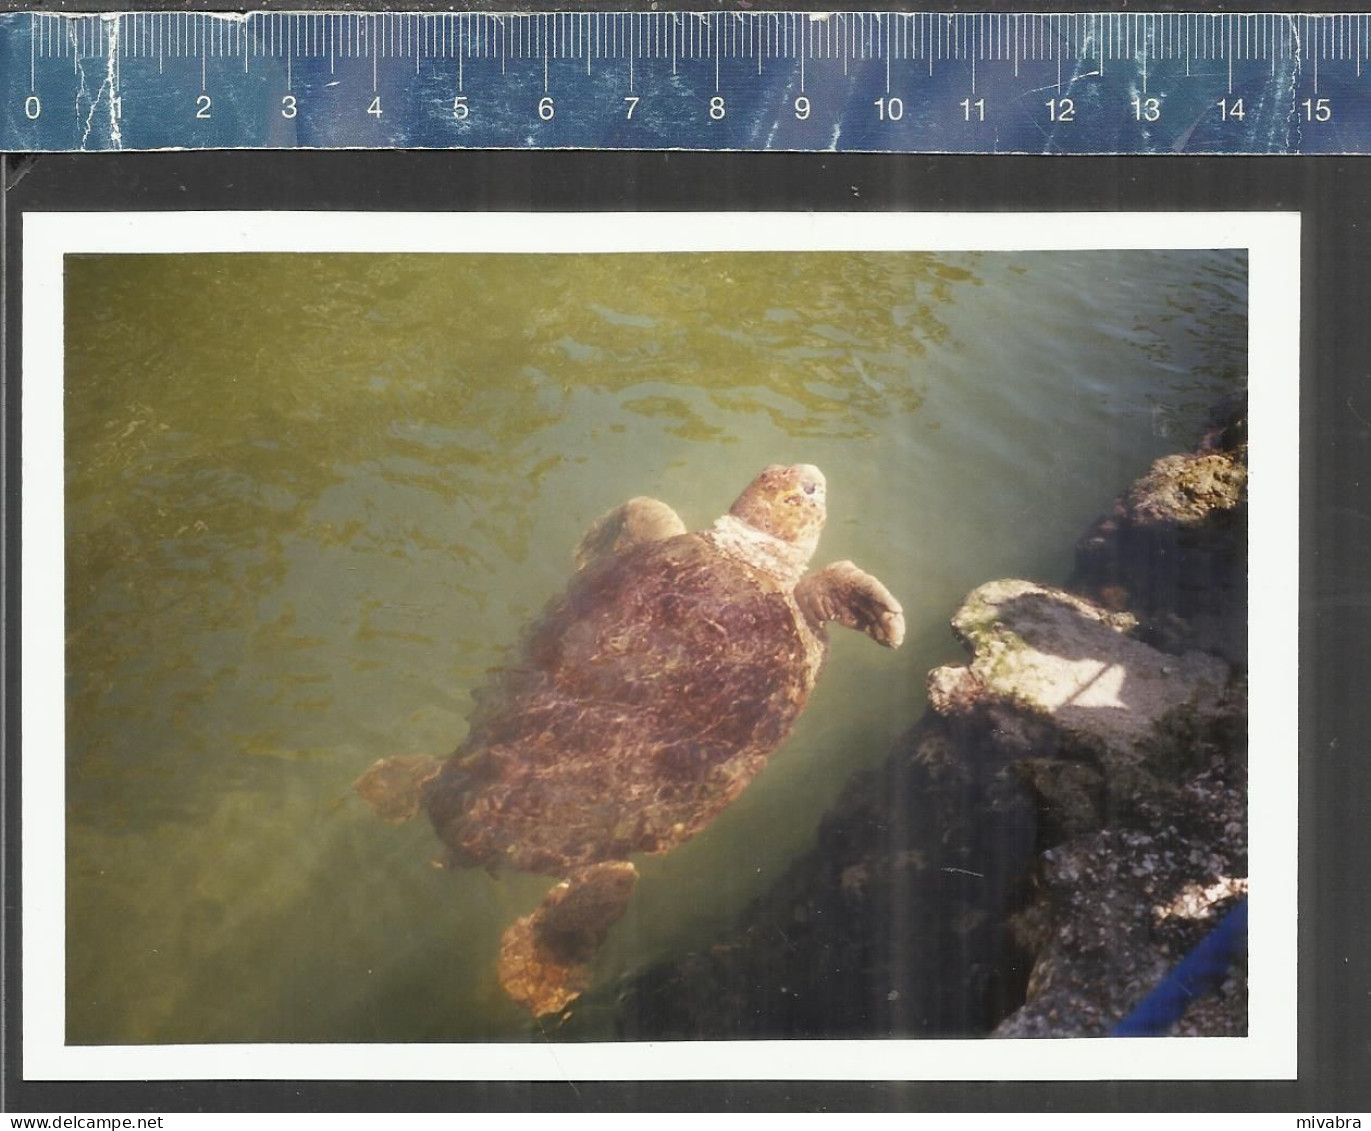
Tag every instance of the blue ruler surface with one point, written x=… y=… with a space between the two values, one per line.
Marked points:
x=899 y=82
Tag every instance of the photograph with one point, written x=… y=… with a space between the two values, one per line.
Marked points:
x=694 y=630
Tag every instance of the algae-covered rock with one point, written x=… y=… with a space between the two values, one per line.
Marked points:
x=1173 y=549
x=1074 y=661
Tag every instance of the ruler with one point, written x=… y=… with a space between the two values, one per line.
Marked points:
x=897 y=82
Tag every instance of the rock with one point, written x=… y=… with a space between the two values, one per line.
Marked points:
x=1081 y=705
x=1075 y=662
x=1174 y=547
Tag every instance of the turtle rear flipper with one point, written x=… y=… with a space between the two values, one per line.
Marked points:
x=393 y=787
x=545 y=958
x=639 y=520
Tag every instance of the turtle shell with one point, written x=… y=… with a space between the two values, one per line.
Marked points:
x=644 y=699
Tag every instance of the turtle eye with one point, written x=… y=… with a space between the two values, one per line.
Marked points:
x=809 y=488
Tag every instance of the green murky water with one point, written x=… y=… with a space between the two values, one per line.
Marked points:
x=311 y=499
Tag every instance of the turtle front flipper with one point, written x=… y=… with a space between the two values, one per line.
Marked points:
x=545 y=958
x=394 y=787
x=849 y=596
x=637 y=521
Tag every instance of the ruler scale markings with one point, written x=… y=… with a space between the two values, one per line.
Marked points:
x=768 y=41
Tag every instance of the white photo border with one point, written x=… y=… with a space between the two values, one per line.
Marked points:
x=1273 y=243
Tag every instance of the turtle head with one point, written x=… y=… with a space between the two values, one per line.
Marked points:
x=786 y=502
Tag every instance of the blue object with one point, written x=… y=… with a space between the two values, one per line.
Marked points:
x=1198 y=973
x=878 y=82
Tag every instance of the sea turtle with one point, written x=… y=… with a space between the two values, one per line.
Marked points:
x=643 y=700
